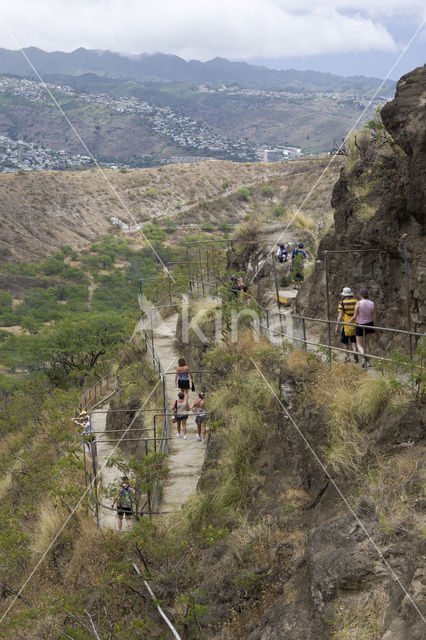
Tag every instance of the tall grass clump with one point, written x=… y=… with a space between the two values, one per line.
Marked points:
x=353 y=401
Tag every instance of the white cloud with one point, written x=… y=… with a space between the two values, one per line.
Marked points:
x=204 y=29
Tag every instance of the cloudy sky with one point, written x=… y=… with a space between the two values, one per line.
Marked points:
x=341 y=36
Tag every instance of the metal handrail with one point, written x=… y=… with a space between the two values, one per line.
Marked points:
x=353 y=324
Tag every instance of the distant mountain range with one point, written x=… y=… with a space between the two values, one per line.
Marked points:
x=160 y=67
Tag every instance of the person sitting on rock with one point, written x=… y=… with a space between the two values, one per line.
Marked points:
x=282 y=254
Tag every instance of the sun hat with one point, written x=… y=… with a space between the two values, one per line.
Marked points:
x=83 y=413
x=347 y=291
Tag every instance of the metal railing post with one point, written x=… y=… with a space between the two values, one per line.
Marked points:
x=152 y=337
x=257 y=277
x=328 y=305
x=188 y=269
x=305 y=346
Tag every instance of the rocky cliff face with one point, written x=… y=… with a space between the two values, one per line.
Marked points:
x=379 y=197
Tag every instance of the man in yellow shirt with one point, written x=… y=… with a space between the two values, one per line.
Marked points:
x=346 y=310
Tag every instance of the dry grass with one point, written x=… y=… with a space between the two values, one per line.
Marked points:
x=352 y=400
x=366 y=211
x=394 y=487
x=301 y=221
x=301 y=361
x=48 y=525
x=363 y=620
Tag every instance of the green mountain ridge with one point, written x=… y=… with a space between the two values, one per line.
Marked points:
x=171 y=68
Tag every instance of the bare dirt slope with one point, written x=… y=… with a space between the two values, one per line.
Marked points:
x=40 y=211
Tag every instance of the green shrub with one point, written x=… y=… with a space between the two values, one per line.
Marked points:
x=207 y=226
x=267 y=191
x=278 y=211
x=224 y=226
x=243 y=194
x=153 y=232
x=5 y=301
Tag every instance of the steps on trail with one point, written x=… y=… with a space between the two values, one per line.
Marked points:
x=186 y=457
x=107 y=518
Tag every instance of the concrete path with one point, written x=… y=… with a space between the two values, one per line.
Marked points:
x=107 y=476
x=186 y=457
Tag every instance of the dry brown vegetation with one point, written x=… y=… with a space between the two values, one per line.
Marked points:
x=40 y=211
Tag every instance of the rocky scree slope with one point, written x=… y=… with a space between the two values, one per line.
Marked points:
x=380 y=195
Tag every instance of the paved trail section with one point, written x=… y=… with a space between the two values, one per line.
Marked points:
x=107 y=518
x=186 y=457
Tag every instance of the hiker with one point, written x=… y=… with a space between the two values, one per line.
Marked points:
x=85 y=423
x=235 y=289
x=198 y=407
x=241 y=286
x=183 y=376
x=282 y=254
x=180 y=410
x=365 y=318
x=125 y=501
x=346 y=310
x=244 y=290
x=298 y=258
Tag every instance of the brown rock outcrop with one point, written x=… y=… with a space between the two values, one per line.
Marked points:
x=379 y=197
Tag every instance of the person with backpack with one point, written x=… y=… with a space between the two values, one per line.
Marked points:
x=365 y=318
x=183 y=377
x=298 y=258
x=124 y=501
x=282 y=254
x=346 y=310
x=180 y=411
x=198 y=407
x=234 y=288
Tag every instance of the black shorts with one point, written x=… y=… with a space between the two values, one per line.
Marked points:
x=298 y=275
x=183 y=384
x=179 y=418
x=124 y=511
x=360 y=330
x=346 y=339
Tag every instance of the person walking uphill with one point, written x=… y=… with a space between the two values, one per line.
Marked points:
x=365 y=317
x=183 y=376
x=125 y=501
x=180 y=411
x=346 y=310
x=298 y=258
